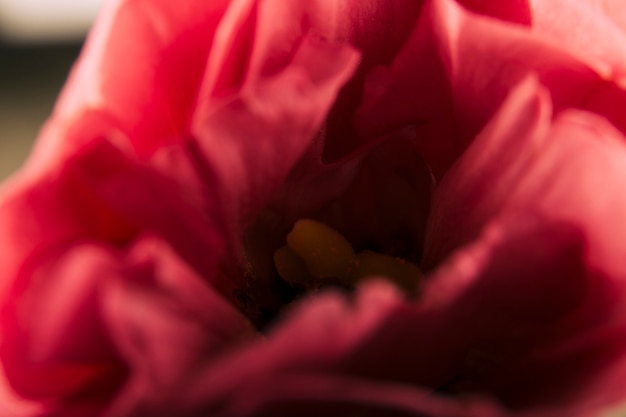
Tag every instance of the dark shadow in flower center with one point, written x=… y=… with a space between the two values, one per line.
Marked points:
x=378 y=200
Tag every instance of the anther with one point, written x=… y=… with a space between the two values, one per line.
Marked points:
x=318 y=255
x=402 y=273
x=325 y=252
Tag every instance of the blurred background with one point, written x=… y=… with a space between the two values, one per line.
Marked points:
x=39 y=41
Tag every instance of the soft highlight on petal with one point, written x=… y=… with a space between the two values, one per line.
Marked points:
x=599 y=37
x=455 y=71
x=479 y=184
x=164 y=320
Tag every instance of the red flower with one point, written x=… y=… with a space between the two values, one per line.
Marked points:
x=483 y=140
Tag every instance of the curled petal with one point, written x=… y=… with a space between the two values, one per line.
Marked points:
x=517 y=11
x=164 y=321
x=580 y=154
x=97 y=330
x=603 y=24
x=166 y=42
x=249 y=145
x=53 y=344
x=455 y=71
x=479 y=184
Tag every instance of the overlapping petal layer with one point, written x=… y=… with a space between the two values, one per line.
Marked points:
x=526 y=314
x=124 y=237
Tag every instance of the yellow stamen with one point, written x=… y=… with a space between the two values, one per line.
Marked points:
x=325 y=252
x=402 y=273
x=318 y=255
x=291 y=268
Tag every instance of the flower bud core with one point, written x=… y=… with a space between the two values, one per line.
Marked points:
x=316 y=254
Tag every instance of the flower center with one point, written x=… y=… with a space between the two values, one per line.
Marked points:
x=317 y=255
x=370 y=214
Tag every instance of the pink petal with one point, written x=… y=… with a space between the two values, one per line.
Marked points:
x=134 y=53
x=249 y=145
x=11 y=404
x=585 y=154
x=378 y=28
x=613 y=9
x=517 y=11
x=106 y=331
x=599 y=36
x=479 y=184
x=580 y=154
x=41 y=211
x=165 y=322
x=320 y=339
x=131 y=189
x=53 y=344
x=453 y=74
